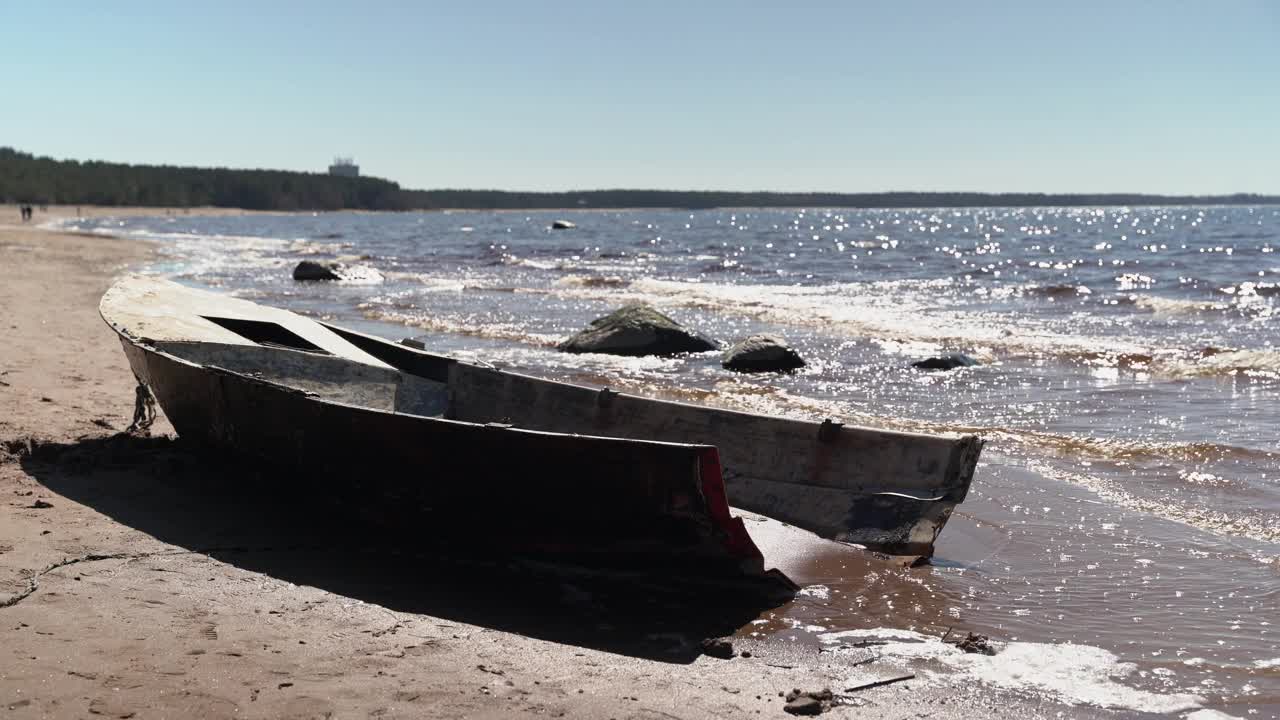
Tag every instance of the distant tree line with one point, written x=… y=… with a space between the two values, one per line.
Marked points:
x=491 y=199
x=25 y=178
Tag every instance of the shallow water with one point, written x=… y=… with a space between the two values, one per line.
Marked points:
x=1129 y=496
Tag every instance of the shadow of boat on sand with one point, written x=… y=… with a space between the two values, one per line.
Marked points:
x=304 y=531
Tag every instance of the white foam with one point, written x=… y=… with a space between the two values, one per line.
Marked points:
x=359 y=275
x=1070 y=673
x=903 y=311
x=819 y=592
x=903 y=316
x=1206 y=714
x=592 y=281
x=1173 y=306
x=1260 y=362
x=877 y=634
x=1075 y=674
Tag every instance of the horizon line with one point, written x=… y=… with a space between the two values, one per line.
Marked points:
x=1195 y=195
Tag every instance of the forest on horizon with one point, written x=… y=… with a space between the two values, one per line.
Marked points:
x=26 y=178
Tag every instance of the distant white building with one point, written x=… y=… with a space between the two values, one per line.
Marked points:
x=345 y=167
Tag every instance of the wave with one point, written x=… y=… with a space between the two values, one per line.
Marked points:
x=467 y=327
x=1065 y=290
x=1172 y=306
x=720 y=266
x=312 y=247
x=1116 y=449
x=899 y=310
x=906 y=311
x=1246 y=299
x=205 y=239
x=424 y=283
x=1247 y=289
x=231 y=240
x=1240 y=235
x=1259 y=526
x=507 y=259
x=1221 y=363
x=895 y=313
x=1129 y=281
x=593 y=281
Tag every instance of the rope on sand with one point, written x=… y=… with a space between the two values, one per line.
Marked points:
x=144 y=410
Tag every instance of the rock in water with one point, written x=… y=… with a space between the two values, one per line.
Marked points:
x=311 y=270
x=562 y=225
x=946 y=362
x=761 y=353
x=636 y=330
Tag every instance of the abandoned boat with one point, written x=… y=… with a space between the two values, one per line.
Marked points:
x=541 y=459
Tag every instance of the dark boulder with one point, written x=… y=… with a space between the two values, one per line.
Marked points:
x=308 y=270
x=562 y=225
x=761 y=353
x=636 y=330
x=312 y=270
x=946 y=362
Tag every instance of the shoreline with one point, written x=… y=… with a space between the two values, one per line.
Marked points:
x=124 y=604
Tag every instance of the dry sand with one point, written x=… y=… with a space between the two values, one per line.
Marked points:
x=141 y=579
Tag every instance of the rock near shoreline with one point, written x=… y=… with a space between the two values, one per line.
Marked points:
x=311 y=270
x=637 y=330
x=762 y=353
x=946 y=362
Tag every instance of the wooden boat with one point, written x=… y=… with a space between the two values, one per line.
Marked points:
x=555 y=465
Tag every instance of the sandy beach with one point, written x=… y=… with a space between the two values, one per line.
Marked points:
x=139 y=578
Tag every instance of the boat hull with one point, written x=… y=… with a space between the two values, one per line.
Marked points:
x=614 y=502
x=446 y=434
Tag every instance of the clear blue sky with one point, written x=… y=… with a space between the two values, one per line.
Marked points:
x=1082 y=96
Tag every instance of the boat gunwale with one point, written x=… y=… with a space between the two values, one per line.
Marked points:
x=945 y=435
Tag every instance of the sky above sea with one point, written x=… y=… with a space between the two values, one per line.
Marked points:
x=804 y=96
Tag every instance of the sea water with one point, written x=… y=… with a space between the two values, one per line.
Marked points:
x=1122 y=537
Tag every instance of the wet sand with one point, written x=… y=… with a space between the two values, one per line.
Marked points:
x=141 y=578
